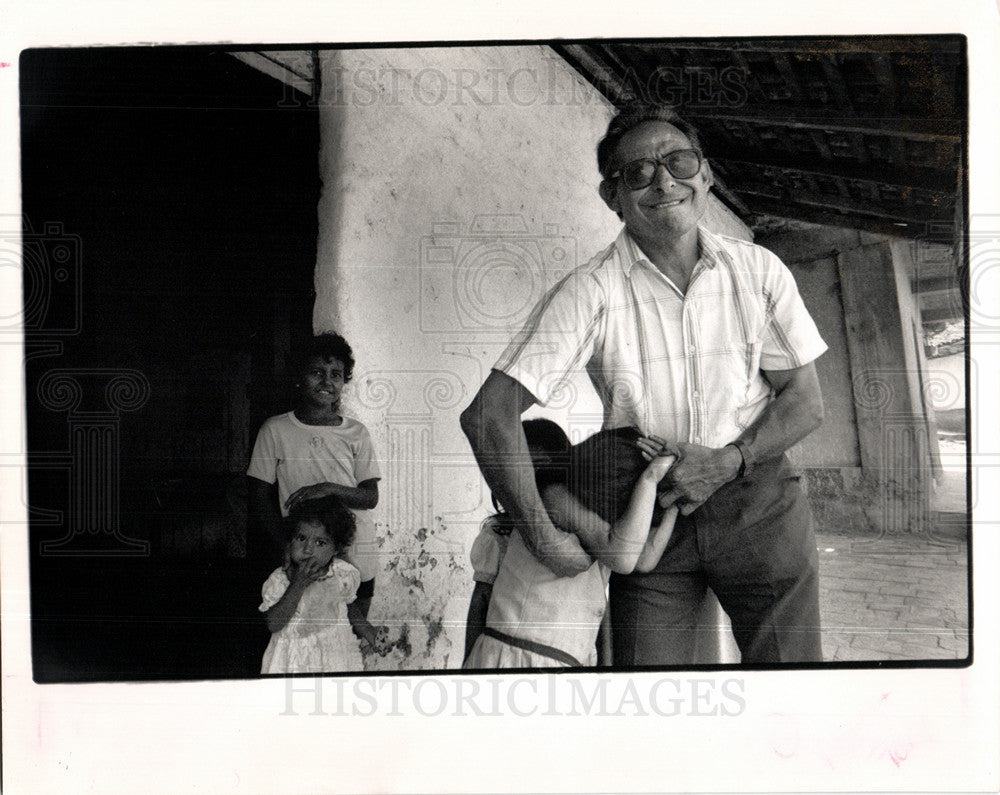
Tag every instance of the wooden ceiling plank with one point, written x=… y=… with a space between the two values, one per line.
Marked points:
x=816 y=215
x=945 y=45
x=886 y=81
x=895 y=211
x=787 y=72
x=931 y=181
x=911 y=128
x=731 y=198
x=589 y=61
x=831 y=70
x=819 y=140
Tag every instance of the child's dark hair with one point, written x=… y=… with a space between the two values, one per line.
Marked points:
x=549 y=447
x=325 y=346
x=605 y=469
x=330 y=512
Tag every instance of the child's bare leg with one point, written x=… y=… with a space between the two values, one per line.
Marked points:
x=362 y=605
x=604 y=654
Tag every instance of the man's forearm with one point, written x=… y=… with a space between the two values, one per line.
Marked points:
x=795 y=412
x=493 y=426
x=507 y=469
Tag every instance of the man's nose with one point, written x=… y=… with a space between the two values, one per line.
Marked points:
x=662 y=177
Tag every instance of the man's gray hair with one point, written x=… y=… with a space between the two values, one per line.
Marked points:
x=631 y=116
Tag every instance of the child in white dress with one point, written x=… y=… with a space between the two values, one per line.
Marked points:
x=604 y=491
x=305 y=600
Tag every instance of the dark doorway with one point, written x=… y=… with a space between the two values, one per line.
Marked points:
x=170 y=225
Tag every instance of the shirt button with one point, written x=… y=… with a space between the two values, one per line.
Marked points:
x=697 y=440
x=691 y=349
x=695 y=393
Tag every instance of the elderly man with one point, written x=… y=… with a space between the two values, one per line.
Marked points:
x=700 y=340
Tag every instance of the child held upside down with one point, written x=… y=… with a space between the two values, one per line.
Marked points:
x=603 y=490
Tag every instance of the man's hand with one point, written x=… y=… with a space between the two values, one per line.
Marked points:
x=698 y=474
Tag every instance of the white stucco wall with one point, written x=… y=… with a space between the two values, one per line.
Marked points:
x=458 y=184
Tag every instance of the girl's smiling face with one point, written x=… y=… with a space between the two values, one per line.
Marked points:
x=322 y=383
x=311 y=542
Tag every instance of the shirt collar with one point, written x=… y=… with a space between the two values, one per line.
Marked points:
x=710 y=248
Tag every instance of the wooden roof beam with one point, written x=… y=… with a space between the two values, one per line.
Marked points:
x=911 y=128
x=844 y=220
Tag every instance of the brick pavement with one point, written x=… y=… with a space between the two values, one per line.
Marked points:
x=893 y=598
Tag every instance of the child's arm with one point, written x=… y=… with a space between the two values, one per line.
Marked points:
x=281 y=612
x=262 y=505
x=362 y=497
x=656 y=543
x=618 y=546
x=376 y=636
x=476 y=619
x=657 y=540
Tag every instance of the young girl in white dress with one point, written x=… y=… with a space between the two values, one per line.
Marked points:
x=604 y=491
x=305 y=600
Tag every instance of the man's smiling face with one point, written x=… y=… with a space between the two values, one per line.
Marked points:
x=669 y=207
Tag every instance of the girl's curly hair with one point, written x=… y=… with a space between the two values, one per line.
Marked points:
x=337 y=520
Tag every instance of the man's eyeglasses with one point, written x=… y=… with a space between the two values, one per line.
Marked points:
x=637 y=174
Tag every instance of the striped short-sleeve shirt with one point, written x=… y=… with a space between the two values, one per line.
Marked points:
x=684 y=366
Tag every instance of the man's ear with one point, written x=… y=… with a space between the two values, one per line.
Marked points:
x=609 y=192
x=706 y=174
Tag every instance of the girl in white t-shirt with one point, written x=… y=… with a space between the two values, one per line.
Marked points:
x=604 y=491
x=314 y=451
